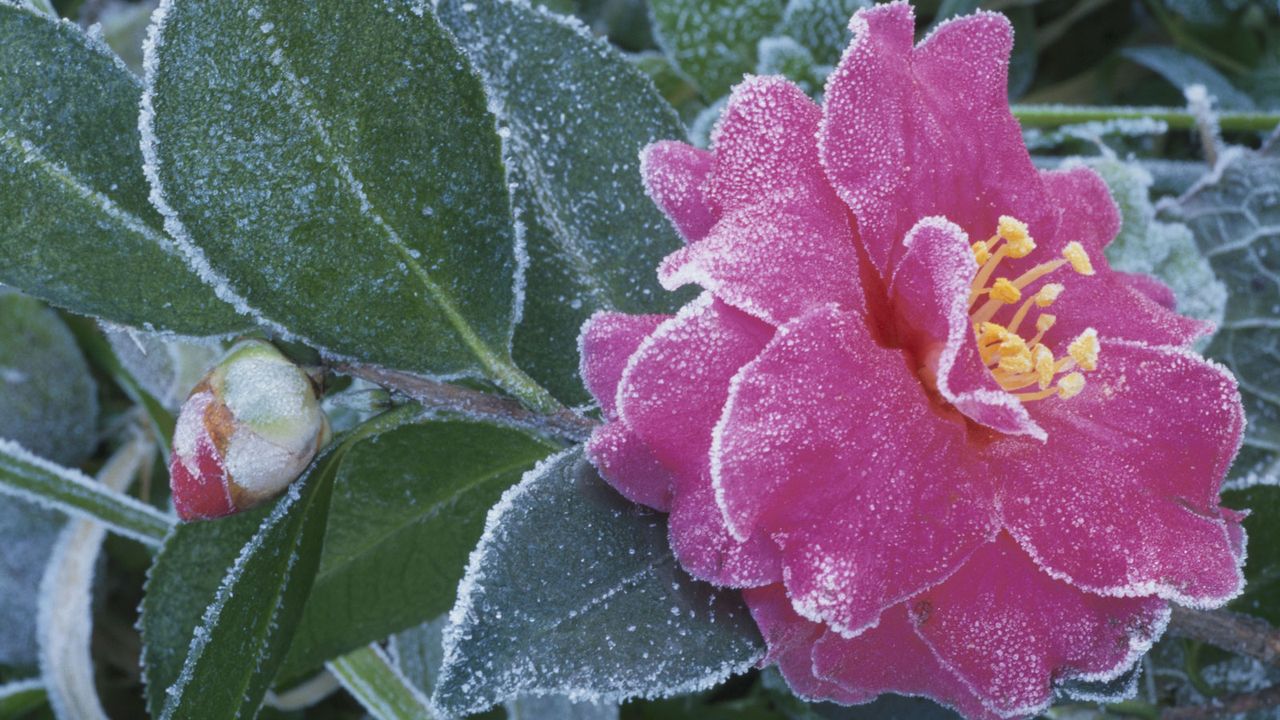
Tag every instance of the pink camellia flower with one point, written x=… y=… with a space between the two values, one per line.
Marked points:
x=247 y=430
x=942 y=447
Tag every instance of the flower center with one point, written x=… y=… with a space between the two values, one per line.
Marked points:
x=1017 y=363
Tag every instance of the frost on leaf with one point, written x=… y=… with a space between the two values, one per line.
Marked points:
x=714 y=41
x=1234 y=213
x=821 y=26
x=575 y=116
x=49 y=405
x=1165 y=250
x=166 y=367
x=572 y=590
x=75 y=225
x=334 y=171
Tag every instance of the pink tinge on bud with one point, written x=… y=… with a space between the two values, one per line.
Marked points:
x=196 y=472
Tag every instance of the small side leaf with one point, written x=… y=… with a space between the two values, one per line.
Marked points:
x=576 y=115
x=573 y=590
x=75 y=225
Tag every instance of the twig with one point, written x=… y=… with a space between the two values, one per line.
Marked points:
x=1231 y=631
x=1226 y=707
x=435 y=395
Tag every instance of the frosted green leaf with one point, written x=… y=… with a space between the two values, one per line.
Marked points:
x=786 y=57
x=573 y=590
x=166 y=367
x=334 y=170
x=408 y=508
x=714 y=41
x=75 y=225
x=575 y=115
x=1234 y=213
x=821 y=26
x=1165 y=250
x=49 y=405
x=1182 y=69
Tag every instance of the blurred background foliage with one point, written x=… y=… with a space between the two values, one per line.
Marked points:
x=1085 y=53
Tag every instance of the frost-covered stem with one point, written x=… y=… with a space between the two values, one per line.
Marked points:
x=434 y=395
x=1051 y=116
x=37 y=480
x=1226 y=707
x=305 y=694
x=371 y=678
x=1231 y=631
x=524 y=388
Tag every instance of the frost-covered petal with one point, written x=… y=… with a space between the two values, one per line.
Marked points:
x=675 y=385
x=1153 y=288
x=201 y=488
x=790 y=640
x=930 y=292
x=705 y=548
x=912 y=132
x=785 y=243
x=831 y=445
x=627 y=464
x=607 y=341
x=1010 y=631
x=675 y=177
x=1123 y=498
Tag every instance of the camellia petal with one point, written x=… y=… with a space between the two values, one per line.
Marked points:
x=607 y=341
x=630 y=466
x=1124 y=498
x=909 y=133
x=675 y=176
x=784 y=244
x=703 y=545
x=829 y=444
x=1010 y=631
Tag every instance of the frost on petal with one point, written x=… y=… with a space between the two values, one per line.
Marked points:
x=1111 y=302
x=830 y=444
x=705 y=548
x=908 y=133
x=675 y=385
x=1123 y=498
x=608 y=339
x=790 y=640
x=1153 y=288
x=630 y=466
x=675 y=177
x=891 y=658
x=930 y=291
x=785 y=243
x=1010 y=631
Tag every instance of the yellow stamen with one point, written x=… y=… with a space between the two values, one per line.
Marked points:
x=1048 y=294
x=1019 y=363
x=1084 y=349
x=990 y=332
x=981 y=252
x=1043 y=360
x=1005 y=292
x=984 y=273
x=1015 y=233
x=1045 y=321
x=1075 y=254
x=1070 y=386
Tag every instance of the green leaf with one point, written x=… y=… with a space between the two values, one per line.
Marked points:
x=369 y=675
x=1182 y=69
x=212 y=651
x=17 y=699
x=1234 y=213
x=333 y=168
x=75 y=225
x=574 y=136
x=1166 y=250
x=784 y=56
x=821 y=26
x=408 y=508
x=574 y=590
x=714 y=41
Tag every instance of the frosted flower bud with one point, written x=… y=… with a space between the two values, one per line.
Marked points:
x=247 y=430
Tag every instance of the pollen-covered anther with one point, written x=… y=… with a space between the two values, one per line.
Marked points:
x=1046 y=295
x=1075 y=254
x=1005 y=291
x=1014 y=232
x=1043 y=362
x=989 y=332
x=1070 y=386
x=981 y=252
x=1016 y=364
x=1045 y=321
x=1084 y=349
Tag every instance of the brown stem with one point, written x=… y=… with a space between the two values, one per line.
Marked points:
x=1231 y=631
x=436 y=395
x=1227 y=706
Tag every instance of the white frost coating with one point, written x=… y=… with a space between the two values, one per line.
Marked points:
x=64 y=624
x=78 y=484
x=470 y=589
x=673 y=324
x=90 y=39
x=366 y=690
x=213 y=614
